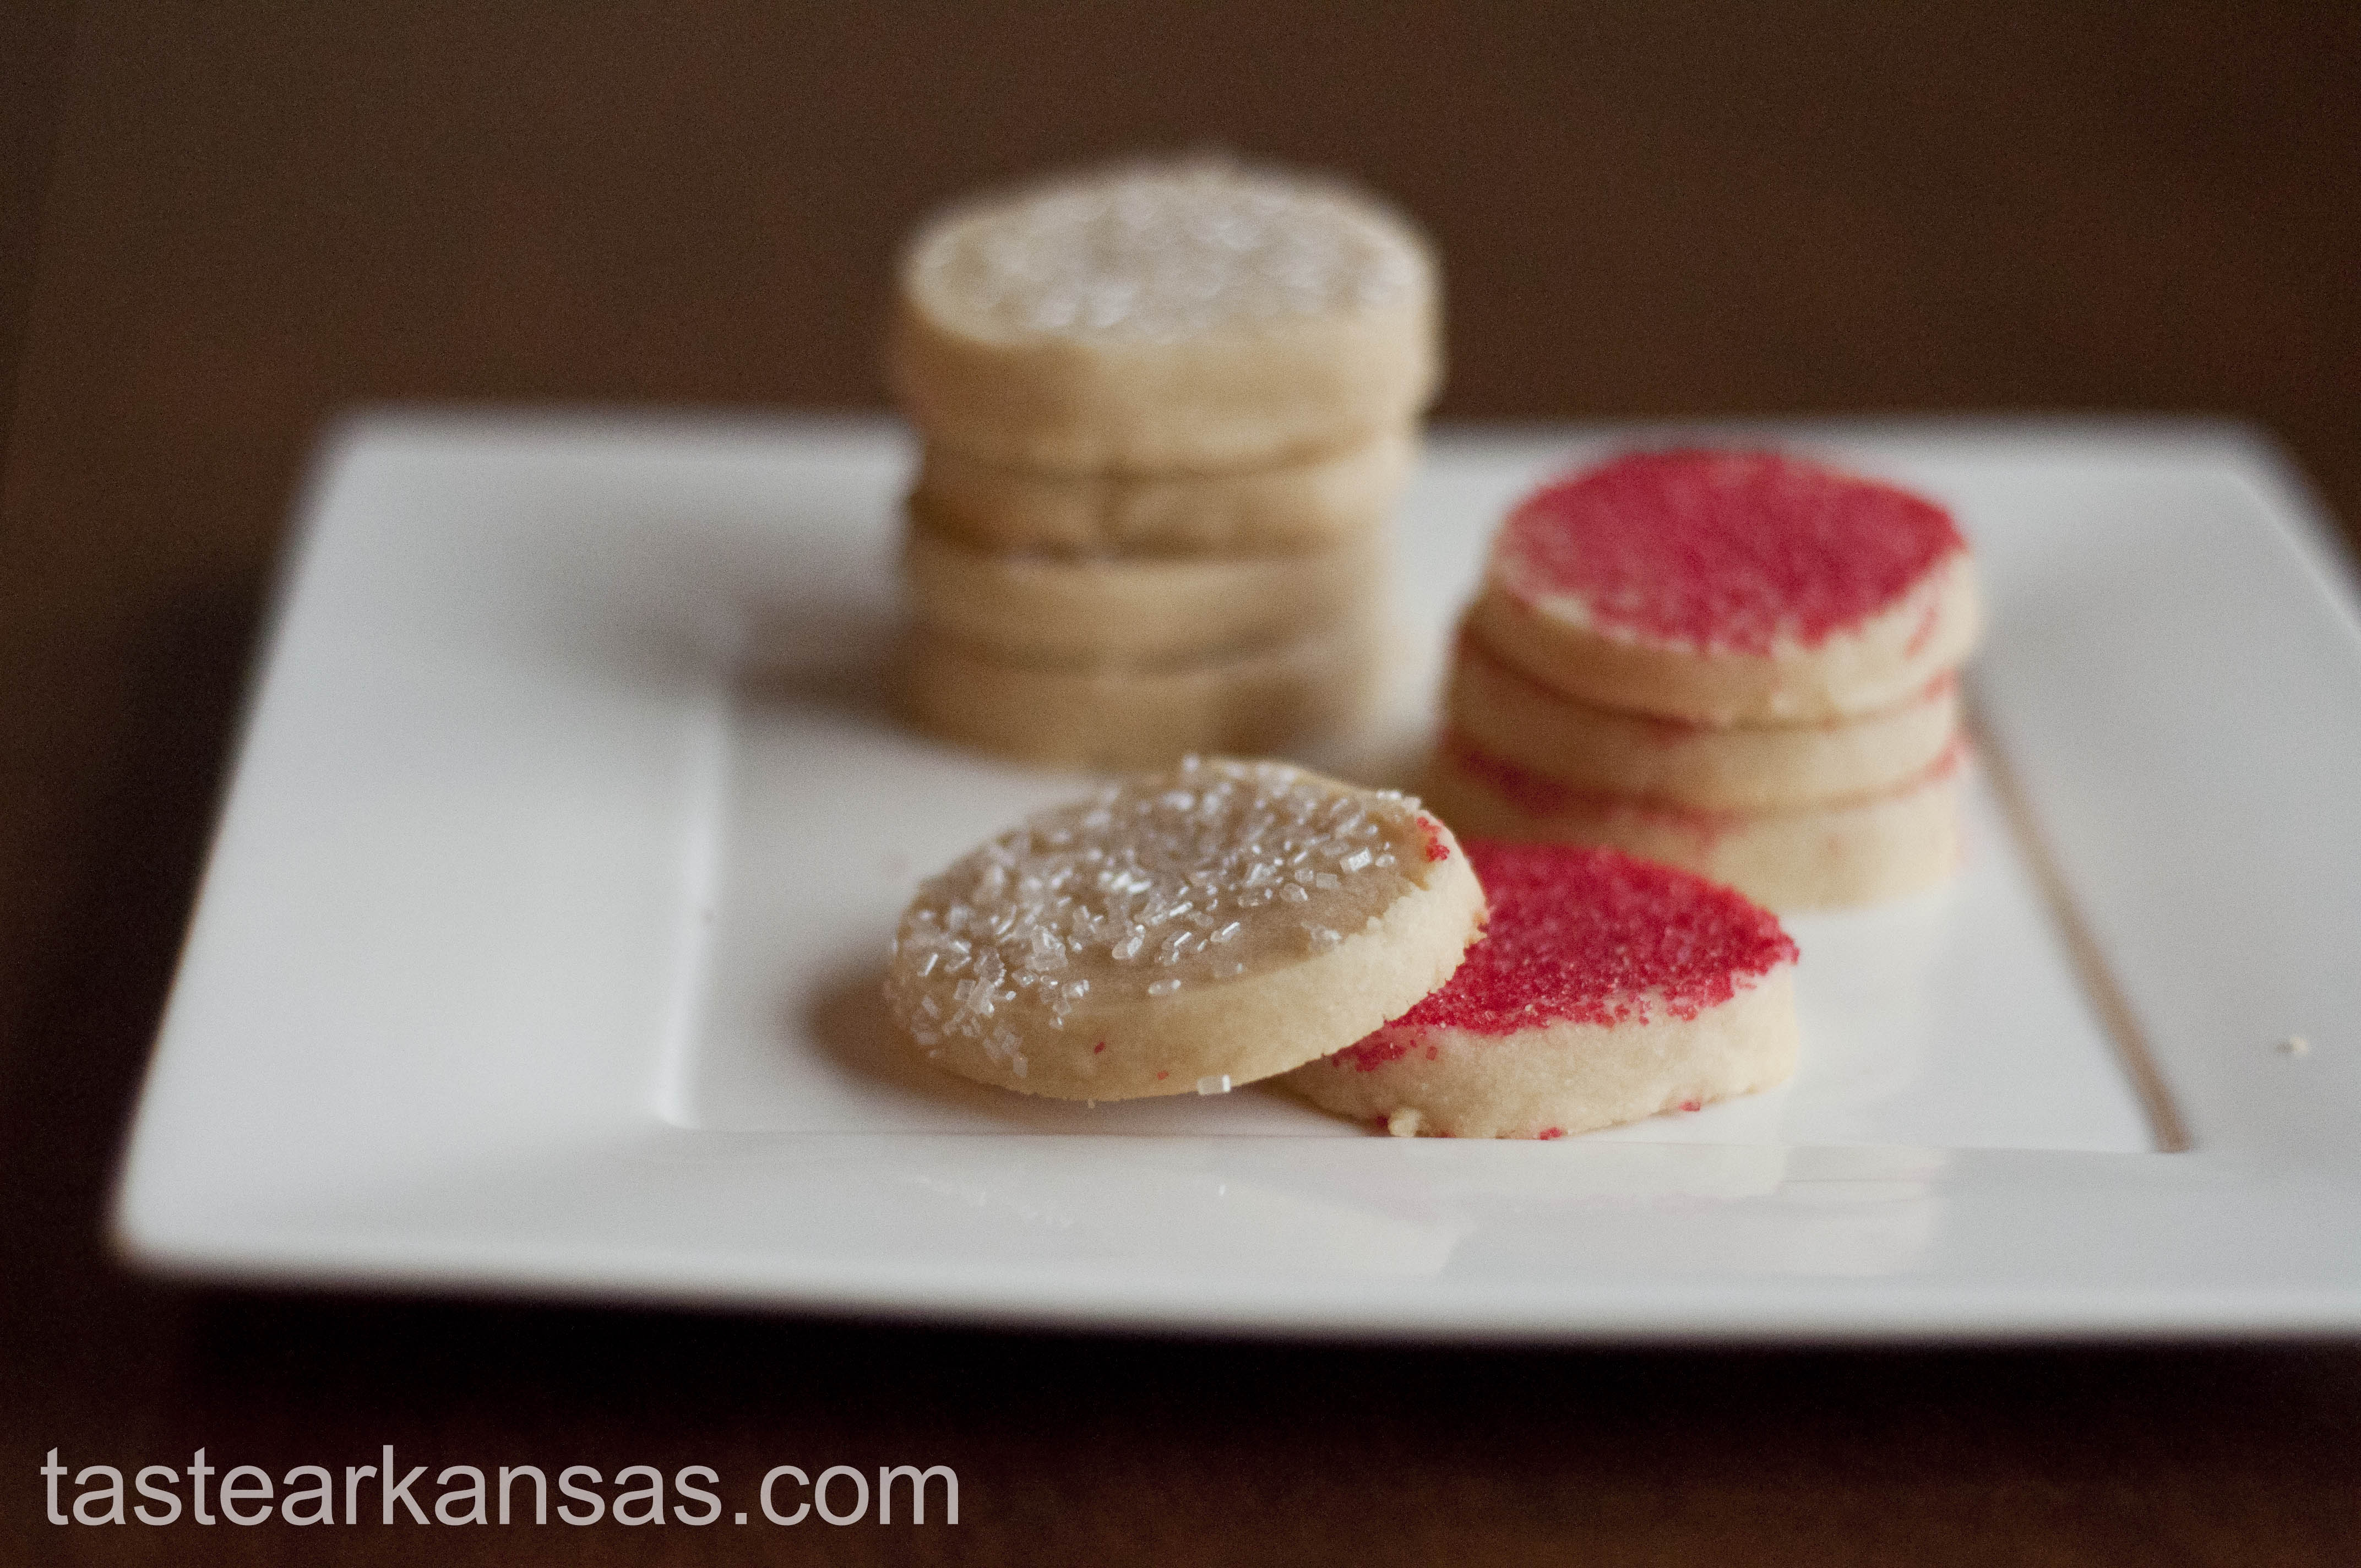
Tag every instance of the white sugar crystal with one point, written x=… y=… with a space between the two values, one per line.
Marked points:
x=1213 y=1083
x=1165 y=870
x=1322 y=938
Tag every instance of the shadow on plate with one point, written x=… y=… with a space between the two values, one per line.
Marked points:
x=847 y=1018
x=840 y=658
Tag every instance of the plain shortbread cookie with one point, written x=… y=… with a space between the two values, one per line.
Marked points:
x=1186 y=931
x=1142 y=715
x=1680 y=763
x=1027 y=606
x=1606 y=989
x=1832 y=855
x=1313 y=504
x=1190 y=317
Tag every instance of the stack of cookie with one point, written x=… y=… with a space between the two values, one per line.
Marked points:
x=1739 y=663
x=1166 y=412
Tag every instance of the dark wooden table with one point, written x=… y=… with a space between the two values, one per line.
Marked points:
x=221 y=223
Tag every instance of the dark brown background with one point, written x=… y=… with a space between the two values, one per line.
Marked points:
x=219 y=223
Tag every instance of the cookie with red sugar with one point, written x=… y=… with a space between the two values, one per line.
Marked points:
x=1606 y=989
x=1729 y=587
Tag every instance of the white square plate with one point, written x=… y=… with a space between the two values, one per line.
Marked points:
x=540 y=946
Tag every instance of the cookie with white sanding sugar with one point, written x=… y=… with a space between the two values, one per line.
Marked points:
x=1158 y=318
x=1191 y=931
x=1606 y=989
x=1729 y=587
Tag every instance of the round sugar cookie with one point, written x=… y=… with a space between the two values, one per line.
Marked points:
x=1681 y=762
x=1186 y=931
x=1194 y=316
x=1314 y=504
x=1043 y=607
x=1730 y=587
x=1606 y=989
x=1832 y=855
x=1142 y=715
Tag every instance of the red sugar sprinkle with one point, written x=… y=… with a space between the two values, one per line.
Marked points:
x=1162 y=1076
x=1726 y=549
x=1097 y=1049
x=1692 y=1104
x=1590 y=936
x=1436 y=849
x=1548 y=1133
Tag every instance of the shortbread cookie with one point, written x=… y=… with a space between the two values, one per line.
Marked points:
x=1606 y=989
x=1028 y=606
x=1731 y=588
x=1182 y=932
x=1315 y=504
x=1833 y=855
x=1194 y=317
x=1680 y=763
x=1142 y=715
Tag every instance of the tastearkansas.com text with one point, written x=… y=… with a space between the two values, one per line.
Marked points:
x=387 y=1493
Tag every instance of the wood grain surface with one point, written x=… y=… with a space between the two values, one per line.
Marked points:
x=221 y=223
